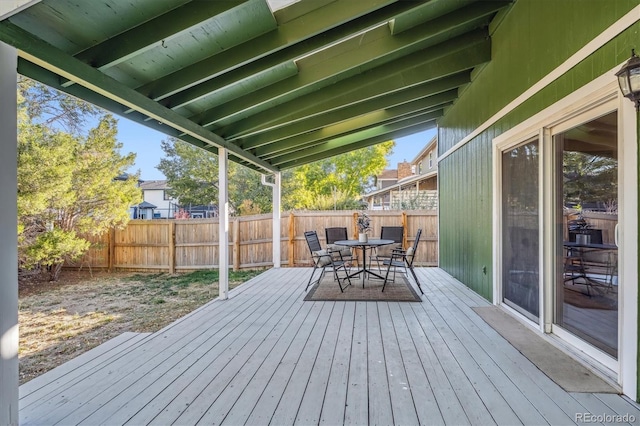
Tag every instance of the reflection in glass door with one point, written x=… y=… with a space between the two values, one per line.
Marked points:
x=586 y=179
x=520 y=229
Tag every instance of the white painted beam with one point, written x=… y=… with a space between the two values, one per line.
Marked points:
x=223 y=213
x=277 y=188
x=11 y=7
x=8 y=238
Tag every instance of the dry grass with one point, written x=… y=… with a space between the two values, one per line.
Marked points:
x=59 y=321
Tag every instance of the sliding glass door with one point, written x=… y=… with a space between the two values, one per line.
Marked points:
x=520 y=229
x=586 y=181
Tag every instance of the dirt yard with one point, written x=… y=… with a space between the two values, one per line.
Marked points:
x=60 y=320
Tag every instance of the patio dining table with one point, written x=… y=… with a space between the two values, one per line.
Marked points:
x=363 y=245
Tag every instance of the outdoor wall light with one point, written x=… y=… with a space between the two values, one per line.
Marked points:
x=629 y=79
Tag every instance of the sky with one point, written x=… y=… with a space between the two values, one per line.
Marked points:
x=145 y=143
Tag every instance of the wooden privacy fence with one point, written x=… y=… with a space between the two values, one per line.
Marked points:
x=192 y=244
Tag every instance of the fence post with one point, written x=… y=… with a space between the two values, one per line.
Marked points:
x=292 y=239
x=236 y=244
x=406 y=231
x=356 y=231
x=172 y=247
x=111 y=251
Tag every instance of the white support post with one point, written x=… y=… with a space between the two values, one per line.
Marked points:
x=276 y=219
x=8 y=237
x=223 y=210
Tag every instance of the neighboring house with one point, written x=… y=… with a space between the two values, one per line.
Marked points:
x=144 y=210
x=411 y=186
x=158 y=204
x=155 y=193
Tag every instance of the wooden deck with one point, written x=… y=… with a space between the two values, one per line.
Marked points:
x=266 y=357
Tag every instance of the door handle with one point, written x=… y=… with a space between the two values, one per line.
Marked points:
x=615 y=235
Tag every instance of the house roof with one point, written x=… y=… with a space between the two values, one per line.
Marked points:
x=404 y=182
x=276 y=88
x=146 y=205
x=388 y=174
x=154 y=184
x=428 y=147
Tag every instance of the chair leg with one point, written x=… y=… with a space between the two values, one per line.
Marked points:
x=386 y=276
x=415 y=277
x=346 y=273
x=337 y=278
x=311 y=277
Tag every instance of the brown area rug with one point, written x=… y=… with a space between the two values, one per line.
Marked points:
x=327 y=290
x=568 y=373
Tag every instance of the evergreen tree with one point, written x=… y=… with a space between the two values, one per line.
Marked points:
x=67 y=186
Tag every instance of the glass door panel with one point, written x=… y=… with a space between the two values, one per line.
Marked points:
x=586 y=179
x=520 y=229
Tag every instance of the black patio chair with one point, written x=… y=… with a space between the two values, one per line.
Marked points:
x=339 y=234
x=325 y=258
x=380 y=254
x=403 y=259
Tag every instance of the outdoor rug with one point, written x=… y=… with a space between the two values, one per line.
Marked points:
x=568 y=373
x=327 y=290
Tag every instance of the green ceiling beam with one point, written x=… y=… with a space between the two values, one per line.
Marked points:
x=371 y=45
x=351 y=57
x=432 y=89
x=49 y=57
x=356 y=137
x=356 y=124
x=426 y=12
x=53 y=80
x=314 y=23
x=151 y=33
x=461 y=54
x=194 y=92
x=357 y=145
x=225 y=93
x=304 y=144
x=44 y=76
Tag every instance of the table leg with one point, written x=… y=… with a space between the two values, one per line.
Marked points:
x=364 y=264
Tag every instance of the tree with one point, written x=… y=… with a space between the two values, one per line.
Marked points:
x=337 y=182
x=47 y=106
x=589 y=179
x=67 y=184
x=192 y=174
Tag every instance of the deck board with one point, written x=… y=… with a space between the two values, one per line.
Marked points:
x=39 y=387
x=333 y=406
x=545 y=395
x=357 y=403
x=183 y=353
x=266 y=356
x=310 y=410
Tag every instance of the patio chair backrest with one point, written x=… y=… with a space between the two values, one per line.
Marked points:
x=312 y=241
x=395 y=233
x=411 y=251
x=335 y=234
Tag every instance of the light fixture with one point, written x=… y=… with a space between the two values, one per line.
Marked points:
x=629 y=79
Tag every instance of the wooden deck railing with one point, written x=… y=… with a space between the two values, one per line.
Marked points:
x=188 y=245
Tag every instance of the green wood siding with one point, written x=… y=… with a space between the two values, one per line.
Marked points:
x=535 y=37
x=465 y=216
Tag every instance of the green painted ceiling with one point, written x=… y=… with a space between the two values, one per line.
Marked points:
x=278 y=89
